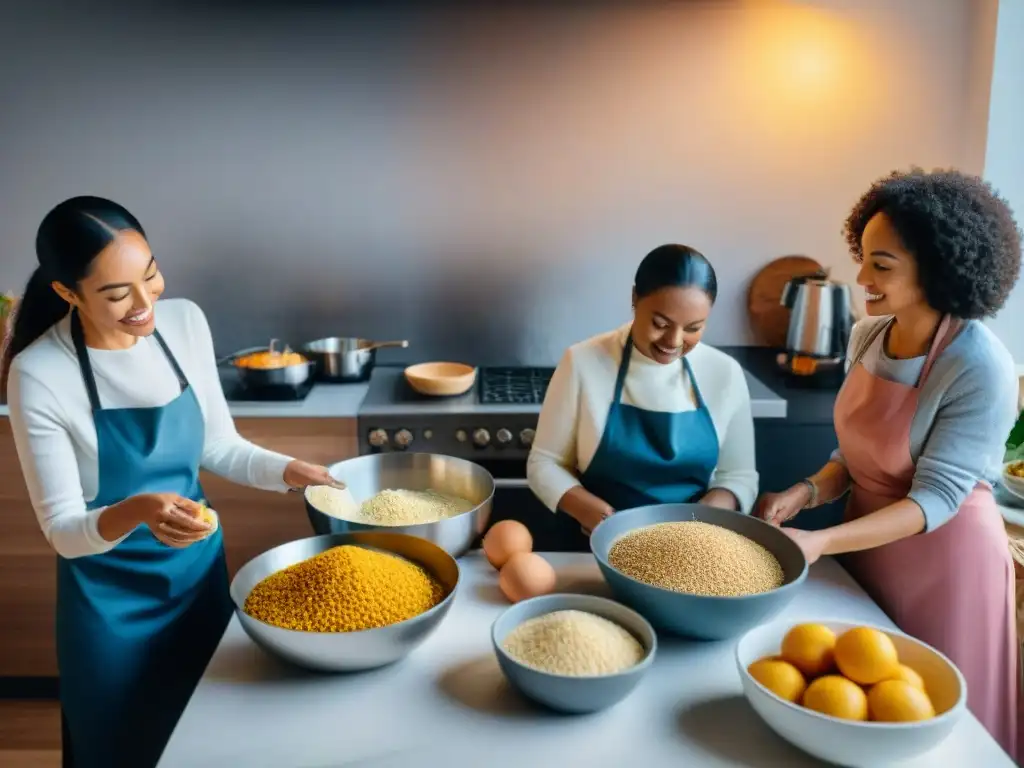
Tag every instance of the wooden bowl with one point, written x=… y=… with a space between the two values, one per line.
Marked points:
x=441 y=379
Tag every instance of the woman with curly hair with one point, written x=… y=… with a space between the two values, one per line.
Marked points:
x=922 y=419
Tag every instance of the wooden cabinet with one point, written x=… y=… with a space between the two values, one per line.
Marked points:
x=253 y=521
x=27 y=575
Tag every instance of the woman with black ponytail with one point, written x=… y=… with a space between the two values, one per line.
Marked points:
x=116 y=404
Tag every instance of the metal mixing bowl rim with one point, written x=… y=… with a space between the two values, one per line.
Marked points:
x=952 y=713
x=416 y=618
x=603 y=562
x=384 y=527
x=639 y=668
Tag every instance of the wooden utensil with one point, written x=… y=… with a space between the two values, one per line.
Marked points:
x=769 y=320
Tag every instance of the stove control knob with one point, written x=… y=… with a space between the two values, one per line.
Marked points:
x=526 y=437
x=461 y=436
x=378 y=438
x=403 y=438
x=481 y=437
x=504 y=436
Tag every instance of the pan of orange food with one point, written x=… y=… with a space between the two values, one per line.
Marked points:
x=271 y=366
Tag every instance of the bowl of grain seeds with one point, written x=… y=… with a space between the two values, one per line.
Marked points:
x=697 y=571
x=345 y=602
x=442 y=499
x=573 y=653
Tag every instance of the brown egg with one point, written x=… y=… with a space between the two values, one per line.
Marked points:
x=505 y=539
x=526 y=575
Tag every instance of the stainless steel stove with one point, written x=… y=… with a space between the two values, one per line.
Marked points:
x=494 y=420
x=492 y=425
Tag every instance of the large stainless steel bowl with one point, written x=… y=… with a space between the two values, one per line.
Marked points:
x=367 y=476
x=346 y=651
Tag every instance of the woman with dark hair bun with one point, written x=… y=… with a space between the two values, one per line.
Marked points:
x=115 y=406
x=646 y=414
x=922 y=420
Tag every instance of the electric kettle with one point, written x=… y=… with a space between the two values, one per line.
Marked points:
x=821 y=317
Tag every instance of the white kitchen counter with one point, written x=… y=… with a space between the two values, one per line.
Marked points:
x=448 y=705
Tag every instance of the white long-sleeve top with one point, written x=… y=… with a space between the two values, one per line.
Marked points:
x=580 y=393
x=55 y=434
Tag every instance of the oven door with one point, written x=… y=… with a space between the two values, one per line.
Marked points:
x=513 y=500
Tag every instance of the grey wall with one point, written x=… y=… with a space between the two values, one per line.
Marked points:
x=483 y=184
x=1004 y=161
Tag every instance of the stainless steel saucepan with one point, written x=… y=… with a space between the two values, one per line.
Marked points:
x=346 y=359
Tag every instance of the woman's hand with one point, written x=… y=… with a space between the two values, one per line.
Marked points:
x=585 y=508
x=592 y=516
x=173 y=519
x=299 y=474
x=811 y=543
x=721 y=498
x=777 y=508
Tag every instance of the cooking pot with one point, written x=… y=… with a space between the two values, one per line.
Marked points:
x=290 y=375
x=346 y=359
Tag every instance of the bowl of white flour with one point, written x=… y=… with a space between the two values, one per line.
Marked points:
x=443 y=499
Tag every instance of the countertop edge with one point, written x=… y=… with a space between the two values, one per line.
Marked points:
x=343 y=401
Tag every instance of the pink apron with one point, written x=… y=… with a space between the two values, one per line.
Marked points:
x=953 y=588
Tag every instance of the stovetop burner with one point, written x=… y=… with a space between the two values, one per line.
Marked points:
x=505 y=386
x=237 y=392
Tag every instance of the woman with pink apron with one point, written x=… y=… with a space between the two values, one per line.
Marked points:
x=922 y=533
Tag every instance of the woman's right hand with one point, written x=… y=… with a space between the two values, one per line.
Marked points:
x=173 y=519
x=592 y=517
x=777 y=508
x=585 y=508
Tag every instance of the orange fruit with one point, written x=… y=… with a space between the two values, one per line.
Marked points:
x=897 y=701
x=836 y=696
x=779 y=677
x=908 y=675
x=809 y=648
x=866 y=656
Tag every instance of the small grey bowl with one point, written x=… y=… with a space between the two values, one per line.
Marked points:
x=566 y=693
x=699 y=617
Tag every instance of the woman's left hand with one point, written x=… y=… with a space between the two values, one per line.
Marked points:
x=299 y=474
x=811 y=543
x=721 y=498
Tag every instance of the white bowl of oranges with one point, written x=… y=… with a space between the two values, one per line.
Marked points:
x=850 y=694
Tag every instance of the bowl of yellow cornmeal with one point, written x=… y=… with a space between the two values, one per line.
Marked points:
x=345 y=602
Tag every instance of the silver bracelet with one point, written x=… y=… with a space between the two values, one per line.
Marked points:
x=813 y=501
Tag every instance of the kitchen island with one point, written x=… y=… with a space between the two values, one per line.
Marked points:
x=324 y=427
x=447 y=704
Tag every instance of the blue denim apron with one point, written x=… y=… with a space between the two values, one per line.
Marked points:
x=137 y=625
x=652 y=457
